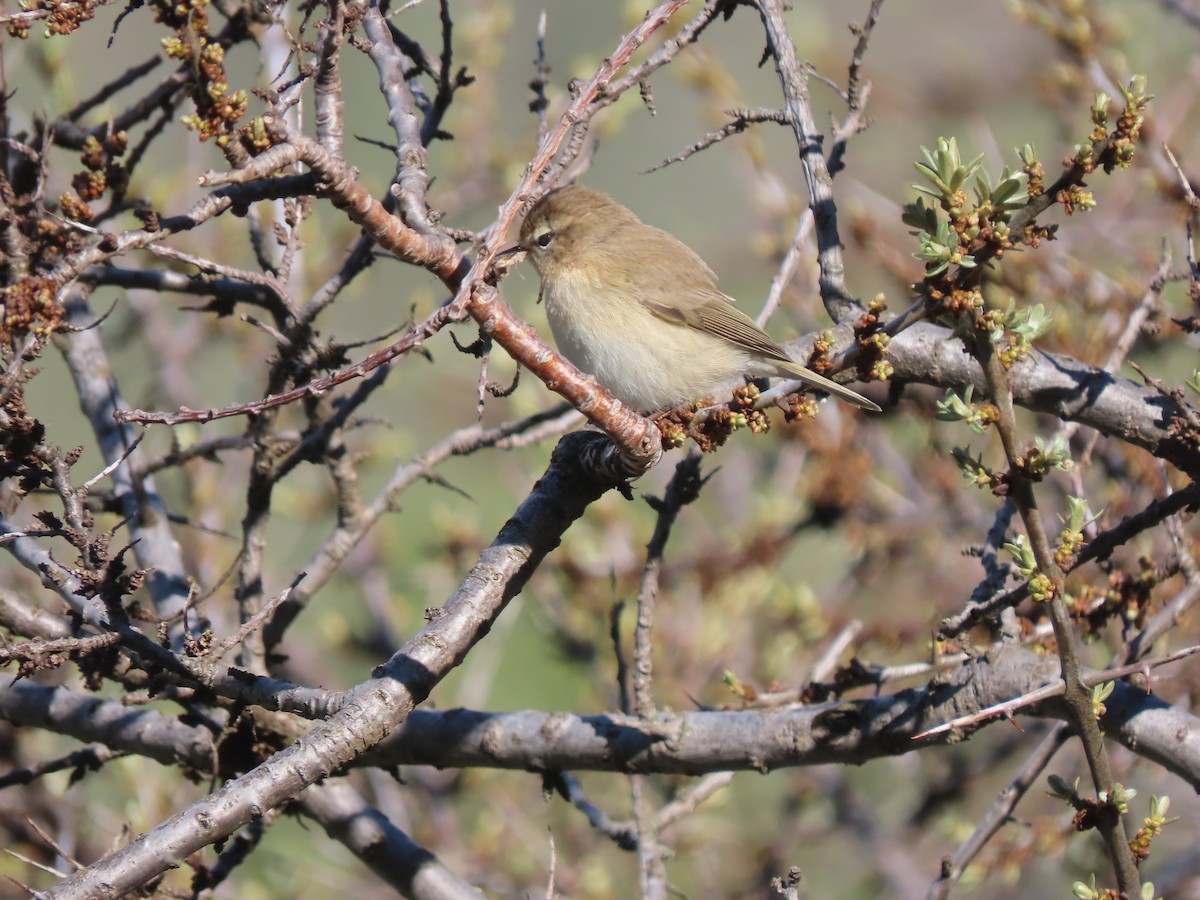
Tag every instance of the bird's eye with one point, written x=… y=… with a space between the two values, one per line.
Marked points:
x=543 y=240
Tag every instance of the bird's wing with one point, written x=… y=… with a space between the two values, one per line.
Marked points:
x=714 y=312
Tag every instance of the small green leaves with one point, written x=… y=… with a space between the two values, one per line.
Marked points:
x=1158 y=811
x=1028 y=322
x=1041 y=588
x=1125 y=133
x=1033 y=170
x=1152 y=827
x=1060 y=790
x=1070 y=539
x=920 y=216
x=1135 y=92
x=1022 y=325
x=972 y=468
x=954 y=240
x=944 y=169
x=1076 y=519
x=1100 y=693
x=1089 y=891
x=1018 y=548
x=1045 y=457
x=940 y=250
x=736 y=685
x=952 y=408
x=1194 y=381
x=1119 y=798
x=1129 y=125
x=1007 y=195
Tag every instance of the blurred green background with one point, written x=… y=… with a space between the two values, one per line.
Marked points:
x=937 y=69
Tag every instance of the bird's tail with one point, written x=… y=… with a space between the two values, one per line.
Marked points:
x=808 y=376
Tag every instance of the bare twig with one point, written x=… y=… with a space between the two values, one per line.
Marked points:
x=742 y=119
x=832 y=281
x=539 y=104
x=571 y=790
x=999 y=813
x=87 y=758
x=857 y=91
x=1076 y=693
x=651 y=872
x=683 y=488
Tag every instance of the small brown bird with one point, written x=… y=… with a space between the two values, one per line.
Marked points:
x=638 y=309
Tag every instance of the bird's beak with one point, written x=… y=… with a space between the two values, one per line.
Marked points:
x=506 y=259
x=510 y=256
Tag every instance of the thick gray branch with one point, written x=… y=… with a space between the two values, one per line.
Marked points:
x=374 y=839
x=1058 y=385
x=89 y=718
x=150 y=529
x=374 y=708
x=851 y=731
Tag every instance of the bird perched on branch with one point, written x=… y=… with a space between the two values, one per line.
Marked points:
x=638 y=309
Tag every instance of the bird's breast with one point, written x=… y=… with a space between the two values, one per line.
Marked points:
x=645 y=361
